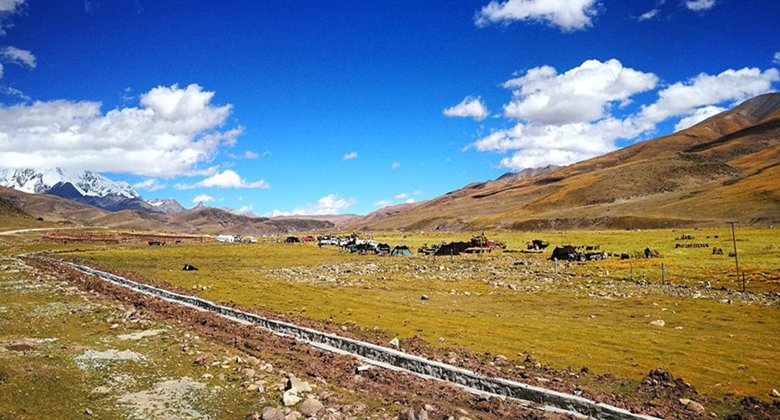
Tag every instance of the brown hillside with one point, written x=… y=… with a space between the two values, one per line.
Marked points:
x=205 y=221
x=724 y=168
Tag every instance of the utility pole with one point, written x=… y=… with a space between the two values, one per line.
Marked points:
x=736 y=258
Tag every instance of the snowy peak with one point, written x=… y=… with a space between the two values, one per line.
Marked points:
x=87 y=183
x=167 y=206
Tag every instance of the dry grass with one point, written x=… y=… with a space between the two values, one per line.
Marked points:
x=578 y=318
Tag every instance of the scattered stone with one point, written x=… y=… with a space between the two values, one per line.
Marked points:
x=694 y=407
x=272 y=413
x=248 y=373
x=205 y=359
x=774 y=393
x=658 y=323
x=424 y=297
x=297 y=386
x=407 y=414
x=394 y=342
x=139 y=335
x=289 y=399
x=310 y=407
x=88 y=412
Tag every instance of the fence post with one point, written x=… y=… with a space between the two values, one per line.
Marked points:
x=663 y=274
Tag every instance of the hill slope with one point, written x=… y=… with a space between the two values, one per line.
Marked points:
x=205 y=221
x=724 y=168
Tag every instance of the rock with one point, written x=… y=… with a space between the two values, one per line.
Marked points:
x=394 y=342
x=88 y=412
x=407 y=414
x=310 y=407
x=205 y=359
x=272 y=413
x=248 y=373
x=424 y=297
x=695 y=407
x=297 y=386
x=774 y=393
x=293 y=416
x=290 y=399
x=684 y=401
x=658 y=323
x=422 y=414
x=429 y=408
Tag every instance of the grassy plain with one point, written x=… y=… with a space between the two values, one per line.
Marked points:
x=585 y=314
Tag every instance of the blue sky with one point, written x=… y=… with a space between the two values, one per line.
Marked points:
x=346 y=106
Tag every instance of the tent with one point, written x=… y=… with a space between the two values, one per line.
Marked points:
x=452 y=248
x=401 y=251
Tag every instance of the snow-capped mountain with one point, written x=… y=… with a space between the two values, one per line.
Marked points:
x=167 y=206
x=86 y=183
x=86 y=187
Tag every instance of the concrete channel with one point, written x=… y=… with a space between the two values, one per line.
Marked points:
x=384 y=357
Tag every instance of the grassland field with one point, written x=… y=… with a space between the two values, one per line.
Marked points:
x=576 y=314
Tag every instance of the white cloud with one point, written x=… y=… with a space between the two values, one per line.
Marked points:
x=149 y=184
x=402 y=196
x=330 y=204
x=582 y=94
x=173 y=132
x=350 y=156
x=203 y=198
x=417 y=192
x=555 y=129
x=538 y=145
x=383 y=203
x=648 y=15
x=470 y=107
x=409 y=201
x=698 y=116
x=682 y=98
x=568 y=15
x=395 y=165
x=699 y=5
x=246 y=209
x=8 y=7
x=225 y=179
x=18 y=56
x=776 y=58
x=251 y=155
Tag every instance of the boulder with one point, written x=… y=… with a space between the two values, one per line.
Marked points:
x=289 y=399
x=272 y=413
x=297 y=386
x=310 y=407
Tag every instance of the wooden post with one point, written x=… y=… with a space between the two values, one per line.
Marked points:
x=631 y=270
x=736 y=258
x=663 y=273
x=743 y=282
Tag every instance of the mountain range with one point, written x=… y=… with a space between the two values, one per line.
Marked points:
x=726 y=168
x=85 y=187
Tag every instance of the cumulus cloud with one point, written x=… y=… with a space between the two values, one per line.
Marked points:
x=581 y=94
x=470 y=107
x=203 y=198
x=18 y=56
x=350 y=156
x=402 y=196
x=776 y=58
x=172 y=132
x=149 y=184
x=698 y=116
x=225 y=179
x=568 y=15
x=330 y=204
x=699 y=5
x=554 y=129
x=409 y=201
x=395 y=165
x=536 y=145
x=683 y=98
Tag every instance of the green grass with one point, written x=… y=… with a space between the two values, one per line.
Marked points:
x=556 y=319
